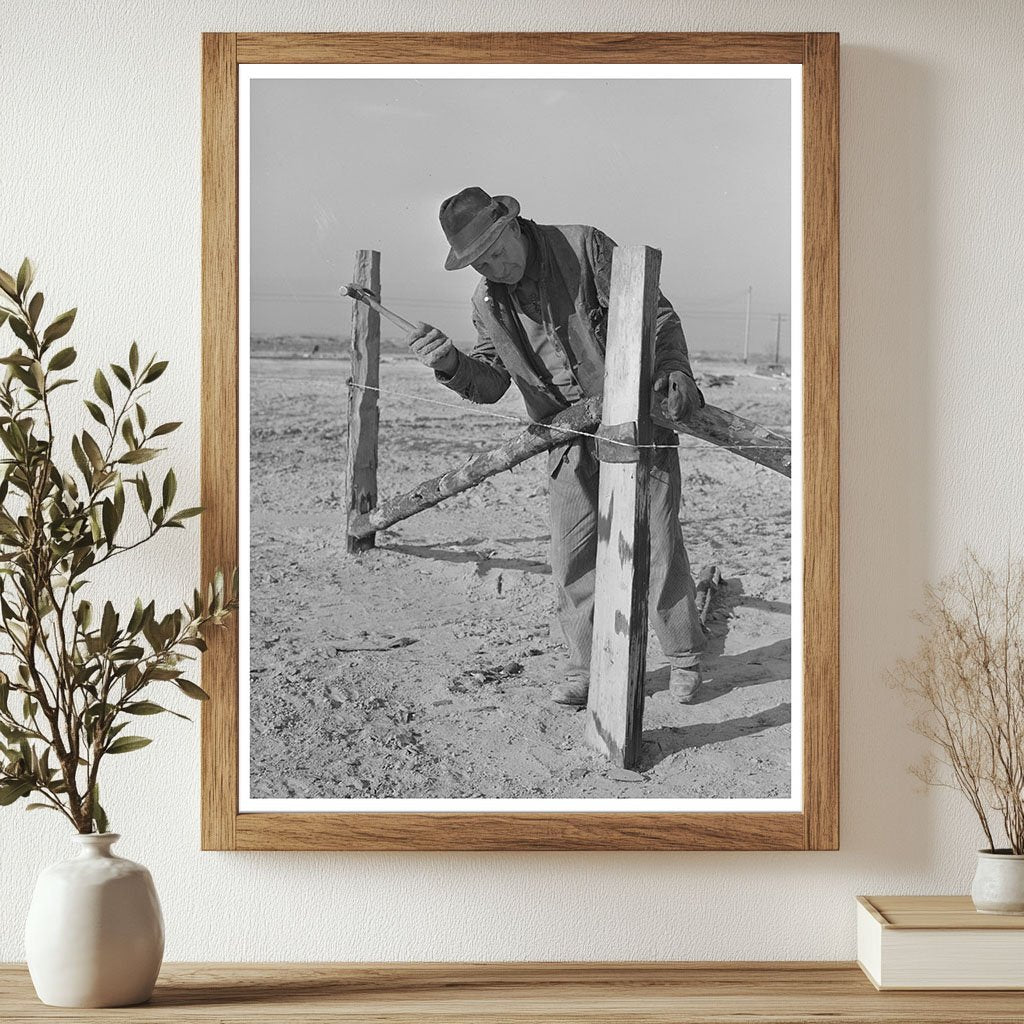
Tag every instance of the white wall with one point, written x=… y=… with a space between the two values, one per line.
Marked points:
x=99 y=181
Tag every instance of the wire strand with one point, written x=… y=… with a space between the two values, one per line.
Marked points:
x=548 y=426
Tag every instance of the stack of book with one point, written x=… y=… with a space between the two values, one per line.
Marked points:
x=938 y=942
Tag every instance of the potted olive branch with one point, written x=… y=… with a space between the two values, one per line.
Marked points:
x=82 y=671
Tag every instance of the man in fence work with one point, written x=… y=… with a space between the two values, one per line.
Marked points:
x=540 y=314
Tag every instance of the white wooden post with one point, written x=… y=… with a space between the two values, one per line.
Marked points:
x=615 y=707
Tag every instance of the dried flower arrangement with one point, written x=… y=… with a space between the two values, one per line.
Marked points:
x=967 y=682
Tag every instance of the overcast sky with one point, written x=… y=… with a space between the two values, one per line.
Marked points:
x=697 y=168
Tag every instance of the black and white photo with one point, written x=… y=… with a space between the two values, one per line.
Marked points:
x=447 y=666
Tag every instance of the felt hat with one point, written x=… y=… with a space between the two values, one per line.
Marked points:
x=472 y=220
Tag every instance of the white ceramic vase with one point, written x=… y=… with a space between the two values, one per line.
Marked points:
x=95 y=933
x=999 y=883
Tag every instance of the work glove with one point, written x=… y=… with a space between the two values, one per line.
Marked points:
x=680 y=394
x=433 y=349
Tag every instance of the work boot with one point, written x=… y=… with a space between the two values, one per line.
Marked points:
x=685 y=684
x=572 y=692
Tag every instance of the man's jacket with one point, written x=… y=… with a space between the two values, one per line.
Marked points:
x=577 y=259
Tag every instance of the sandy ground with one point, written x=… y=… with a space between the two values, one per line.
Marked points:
x=423 y=668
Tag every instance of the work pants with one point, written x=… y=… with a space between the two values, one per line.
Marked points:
x=572 y=498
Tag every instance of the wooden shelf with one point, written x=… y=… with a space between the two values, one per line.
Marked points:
x=621 y=993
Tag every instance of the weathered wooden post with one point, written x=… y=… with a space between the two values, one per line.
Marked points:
x=363 y=414
x=615 y=707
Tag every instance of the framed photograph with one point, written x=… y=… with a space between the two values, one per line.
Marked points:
x=520 y=419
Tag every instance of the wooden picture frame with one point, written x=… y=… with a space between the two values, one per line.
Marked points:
x=816 y=826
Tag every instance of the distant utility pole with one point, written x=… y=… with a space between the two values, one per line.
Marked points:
x=778 y=336
x=746 y=327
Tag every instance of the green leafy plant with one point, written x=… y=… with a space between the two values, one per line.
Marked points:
x=80 y=673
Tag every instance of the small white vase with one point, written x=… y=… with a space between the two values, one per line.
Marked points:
x=999 y=882
x=95 y=933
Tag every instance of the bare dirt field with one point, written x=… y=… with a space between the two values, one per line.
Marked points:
x=423 y=668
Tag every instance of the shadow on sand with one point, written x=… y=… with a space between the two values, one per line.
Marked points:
x=483 y=562
x=722 y=674
x=659 y=744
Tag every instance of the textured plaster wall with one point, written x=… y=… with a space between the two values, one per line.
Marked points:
x=99 y=181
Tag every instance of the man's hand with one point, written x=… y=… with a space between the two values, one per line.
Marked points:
x=433 y=349
x=681 y=395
